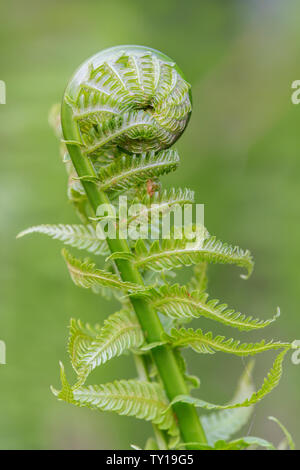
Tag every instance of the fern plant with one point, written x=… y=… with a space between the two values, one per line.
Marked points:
x=121 y=112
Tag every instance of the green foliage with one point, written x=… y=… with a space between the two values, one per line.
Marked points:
x=270 y=382
x=82 y=237
x=85 y=274
x=173 y=254
x=144 y=400
x=121 y=113
x=132 y=171
x=178 y=303
x=162 y=201
x=136 y=101
x=205 y=343
x=92 y=347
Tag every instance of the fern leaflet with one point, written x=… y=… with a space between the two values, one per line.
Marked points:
x=270 y=382
x=171 y=254
x=144 y=400
x=207 y=344
x=84 y=274
x=82 y=237
x=162 y=202
x=178 y=303
x=120 y=332
x=128 y=171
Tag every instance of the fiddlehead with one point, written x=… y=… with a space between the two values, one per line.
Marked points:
x=128 y=98
x=121 y=111
x=134 y=100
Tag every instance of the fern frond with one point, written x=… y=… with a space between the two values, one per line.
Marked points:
x=80 y=337
x=270 y=382
x=207 y=344
x=128 y=105
x=108 y=107
x=120 y=332
x=162 y=202
x=132 y=101
x=178 y=303
x=82 y=237
x=144 y=400
x=171 y=254
x=131 y=171
x=223 y=424
x=84 y=274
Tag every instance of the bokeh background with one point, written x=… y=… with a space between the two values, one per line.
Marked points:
x=240 y=154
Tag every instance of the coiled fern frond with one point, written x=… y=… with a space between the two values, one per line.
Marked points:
x=132 y=98
x=122 y=111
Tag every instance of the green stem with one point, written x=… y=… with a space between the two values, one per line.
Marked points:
x=171 y=376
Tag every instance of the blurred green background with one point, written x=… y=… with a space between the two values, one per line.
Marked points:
x=239 y=153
